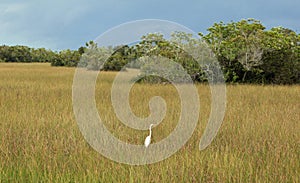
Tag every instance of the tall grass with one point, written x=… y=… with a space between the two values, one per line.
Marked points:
x=259 y=140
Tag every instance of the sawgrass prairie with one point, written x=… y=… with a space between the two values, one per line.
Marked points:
x=259 y=140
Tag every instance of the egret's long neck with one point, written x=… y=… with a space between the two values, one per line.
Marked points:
x=150 y=130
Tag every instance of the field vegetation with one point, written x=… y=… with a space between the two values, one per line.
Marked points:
x=259 y=140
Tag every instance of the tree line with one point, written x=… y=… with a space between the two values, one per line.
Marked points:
x=25 y=54
x=245 y=50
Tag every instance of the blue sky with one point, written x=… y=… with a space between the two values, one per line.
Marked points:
x=62 y=24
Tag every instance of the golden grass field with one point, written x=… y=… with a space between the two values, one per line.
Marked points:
x=259 y=140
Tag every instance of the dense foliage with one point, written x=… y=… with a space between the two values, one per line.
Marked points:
x=249 y=53
x=245 y=50
x=26 y=54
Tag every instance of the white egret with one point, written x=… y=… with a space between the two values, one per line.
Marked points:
x=148 y=138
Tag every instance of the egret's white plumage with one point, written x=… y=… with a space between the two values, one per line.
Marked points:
x=148 y=138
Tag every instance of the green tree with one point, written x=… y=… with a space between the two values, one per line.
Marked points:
x=281 y=57
x=249 y=53
x=94 y=56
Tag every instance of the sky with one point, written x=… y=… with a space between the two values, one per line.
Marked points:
x=69 y=24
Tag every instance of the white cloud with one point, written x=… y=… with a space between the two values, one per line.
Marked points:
x=60 y=24
x=7 y=8
x=38 y=22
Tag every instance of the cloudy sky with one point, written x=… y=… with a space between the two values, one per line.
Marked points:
x=62 y=24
